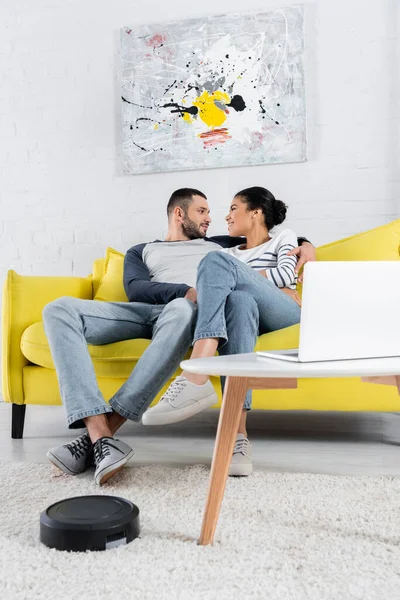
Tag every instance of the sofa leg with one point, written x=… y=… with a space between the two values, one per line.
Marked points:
x=18 y=420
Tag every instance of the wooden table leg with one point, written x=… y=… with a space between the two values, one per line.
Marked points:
x=381 y=380
x=232 y=406
x=384 y=380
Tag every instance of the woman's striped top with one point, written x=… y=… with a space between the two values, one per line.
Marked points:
x=272 y=257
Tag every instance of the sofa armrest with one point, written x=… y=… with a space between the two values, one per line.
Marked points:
x=24 y=298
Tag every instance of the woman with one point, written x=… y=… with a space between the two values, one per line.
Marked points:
x=244 y=291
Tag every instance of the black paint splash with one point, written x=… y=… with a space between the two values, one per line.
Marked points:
x=168 y=88
x=191 y=87
x=192 y=110
x=134 y=103
x=144 y=119
x=237 y=103
x=141 y=147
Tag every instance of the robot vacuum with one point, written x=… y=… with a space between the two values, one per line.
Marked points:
x=89 y=523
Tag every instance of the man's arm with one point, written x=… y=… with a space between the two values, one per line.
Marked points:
x=138 y=285
x=226 y=241
x=305 y=252
x=302 y=240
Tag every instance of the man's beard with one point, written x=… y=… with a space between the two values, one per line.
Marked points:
x=191 y=230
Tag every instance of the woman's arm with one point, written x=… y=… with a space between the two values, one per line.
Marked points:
x=284 y=274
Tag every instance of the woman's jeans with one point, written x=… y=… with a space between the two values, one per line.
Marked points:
x=236 y=304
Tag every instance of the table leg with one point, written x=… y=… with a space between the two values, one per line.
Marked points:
x=384 y=380
x=232 y=406
x=381 y=380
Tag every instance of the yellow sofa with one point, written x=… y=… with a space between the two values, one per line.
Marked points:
x=28 y=375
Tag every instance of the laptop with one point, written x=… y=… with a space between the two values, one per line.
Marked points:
x=350 y=310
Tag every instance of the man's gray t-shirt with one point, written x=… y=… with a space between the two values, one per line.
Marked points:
x=176 y=262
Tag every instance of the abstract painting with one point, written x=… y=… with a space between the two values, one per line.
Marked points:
x=221 y=91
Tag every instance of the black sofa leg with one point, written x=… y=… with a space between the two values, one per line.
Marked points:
x=18 y=420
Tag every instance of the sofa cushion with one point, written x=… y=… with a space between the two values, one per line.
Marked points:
x=118 y=359
x=110 y=360
x=283 y=339
x=382 y=243
x=111 y=287
x=97 y=273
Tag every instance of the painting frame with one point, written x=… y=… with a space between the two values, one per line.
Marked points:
x=232 y=96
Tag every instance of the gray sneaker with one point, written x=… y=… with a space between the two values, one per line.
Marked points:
x=110 y=455
x=73 y=458
x=241 y=464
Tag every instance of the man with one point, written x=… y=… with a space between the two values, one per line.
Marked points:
x=160 y=308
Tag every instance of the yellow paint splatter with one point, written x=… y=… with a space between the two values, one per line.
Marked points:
x=156 y=126
x=187 y=117
x=209 y=112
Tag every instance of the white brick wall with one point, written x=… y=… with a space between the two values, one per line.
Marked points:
x=62 y=199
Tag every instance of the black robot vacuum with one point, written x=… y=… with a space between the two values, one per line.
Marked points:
x=89 y=523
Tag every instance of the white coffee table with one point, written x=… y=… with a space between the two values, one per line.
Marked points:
x=248 y=372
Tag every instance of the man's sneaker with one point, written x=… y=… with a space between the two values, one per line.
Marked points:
x=73 y=458
x=110 y=455
x=241 y=464
x=182 y=400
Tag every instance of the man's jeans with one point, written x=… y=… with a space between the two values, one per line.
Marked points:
x=236 y=304
x=71 y=324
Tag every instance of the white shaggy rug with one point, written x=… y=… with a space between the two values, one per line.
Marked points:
x=280 y=536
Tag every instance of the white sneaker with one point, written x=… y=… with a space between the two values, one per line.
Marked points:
x=241 y=463
x=182 y=400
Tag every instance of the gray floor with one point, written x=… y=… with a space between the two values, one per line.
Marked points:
x=313 y=442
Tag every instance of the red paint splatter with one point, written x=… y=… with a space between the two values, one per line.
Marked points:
x=156 y=40
x=258 y=135
x=129 y=31
x=214 y=137
x=257 y=139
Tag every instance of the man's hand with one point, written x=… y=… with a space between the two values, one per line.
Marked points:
x=191 y=295
x=305 y=252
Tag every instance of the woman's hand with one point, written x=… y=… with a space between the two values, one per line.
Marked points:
x=305 y=253
x=294 y=294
